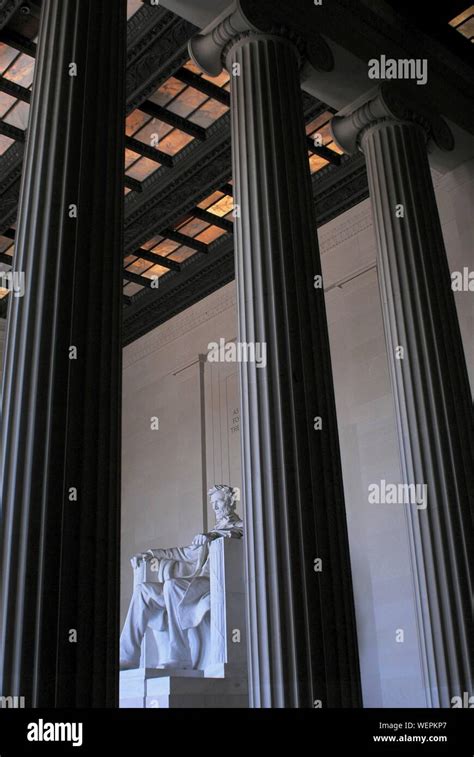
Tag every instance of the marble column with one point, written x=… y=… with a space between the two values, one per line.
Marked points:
x=3 y=324
x=428 y=373
x=59 y=462
x=301 y=628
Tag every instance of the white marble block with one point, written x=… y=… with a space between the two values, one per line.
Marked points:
x=228 y=640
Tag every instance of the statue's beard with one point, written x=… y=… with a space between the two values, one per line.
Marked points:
x=221 y=515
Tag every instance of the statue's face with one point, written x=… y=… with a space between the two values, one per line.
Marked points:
x=218 y=501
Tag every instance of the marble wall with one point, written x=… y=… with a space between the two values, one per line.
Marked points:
x=166 y=472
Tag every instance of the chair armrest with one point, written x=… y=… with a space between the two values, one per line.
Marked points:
x=143 y=573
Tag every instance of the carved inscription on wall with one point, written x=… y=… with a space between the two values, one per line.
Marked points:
x=234 y=425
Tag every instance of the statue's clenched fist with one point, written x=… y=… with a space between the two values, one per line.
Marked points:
x=141 y=557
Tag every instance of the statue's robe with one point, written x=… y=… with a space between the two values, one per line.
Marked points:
x=191 y=564
x=176 y=603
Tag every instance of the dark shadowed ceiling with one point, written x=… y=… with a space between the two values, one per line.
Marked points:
x=177 y=162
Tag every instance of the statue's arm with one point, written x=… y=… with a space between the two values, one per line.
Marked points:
x=174 y=553
x=188 y=554
x=179 y=554
x=236 y=532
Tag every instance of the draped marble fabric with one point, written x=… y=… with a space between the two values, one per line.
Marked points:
x=177 y=603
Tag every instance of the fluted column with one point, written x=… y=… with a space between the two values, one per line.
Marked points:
x=301 y=627
x=428 y=374
x=3 y=324
x=59 y=463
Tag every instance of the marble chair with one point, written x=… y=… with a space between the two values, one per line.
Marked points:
x=224 y=623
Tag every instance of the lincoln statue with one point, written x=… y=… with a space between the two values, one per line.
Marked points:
x=179 y=599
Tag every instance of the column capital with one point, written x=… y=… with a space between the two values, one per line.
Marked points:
x=389 y=103
x=242 y=19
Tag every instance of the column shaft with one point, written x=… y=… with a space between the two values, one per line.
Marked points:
x=59 y=463
x=432 y=398
x=302 y=639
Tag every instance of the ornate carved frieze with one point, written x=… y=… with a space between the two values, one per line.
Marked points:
x=390 y=102
x=156 y=56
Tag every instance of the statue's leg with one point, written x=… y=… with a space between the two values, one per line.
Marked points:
x=147 y=600
x=180 y=654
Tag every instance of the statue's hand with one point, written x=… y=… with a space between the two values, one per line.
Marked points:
x=200 y=539
x=141 y=557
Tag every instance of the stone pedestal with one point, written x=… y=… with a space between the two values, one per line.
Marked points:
x=154 y=689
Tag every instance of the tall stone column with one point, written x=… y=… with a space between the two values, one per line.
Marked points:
x=428 y=374
x=59 y=464
x=3 y=324
x=301 y=627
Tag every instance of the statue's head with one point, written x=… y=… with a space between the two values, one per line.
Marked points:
x=223 y=499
